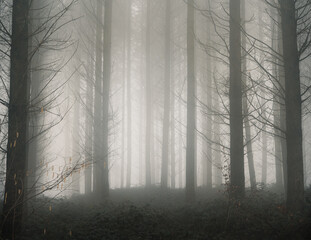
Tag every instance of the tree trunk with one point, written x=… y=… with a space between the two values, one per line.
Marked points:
x=141 y=108
x=263 y=110
x=33 y=130
x=97 y=140
x=172 y=147
x=281 y=78
x=89 y=122
x=123 y=107
x=217 y=151
x=75 y=186
x=180 y=147
x=148 y=98
x=106 y=97
x=209 y=119
x=235 y=98
x=295 y=181
x=191 y=118
x=248 y=135
x=167 y=92
x=17 y=125
x=276 y=109
x=129 y=104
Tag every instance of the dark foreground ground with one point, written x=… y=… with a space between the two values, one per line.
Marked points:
x=152 y=214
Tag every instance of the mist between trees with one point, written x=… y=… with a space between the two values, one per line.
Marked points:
x=98 y=95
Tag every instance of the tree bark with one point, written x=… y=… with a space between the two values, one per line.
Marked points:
x=17 y=125
x=295 y=181
x=235 y=98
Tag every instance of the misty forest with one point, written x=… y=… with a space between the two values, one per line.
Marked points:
x=155 y=119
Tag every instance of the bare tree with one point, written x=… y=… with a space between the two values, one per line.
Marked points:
x=235 y=96
x=17 y=148
x=167 y=92
x=295 y=183
x=191 y=118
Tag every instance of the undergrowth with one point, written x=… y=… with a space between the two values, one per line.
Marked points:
x=154 y=214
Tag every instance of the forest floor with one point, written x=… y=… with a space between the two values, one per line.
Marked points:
x=153 y=214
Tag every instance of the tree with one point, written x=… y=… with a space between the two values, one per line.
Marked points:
x=278 y=138
x=106 y=96
x=248 y=137
x=148 y=99
x=129 y=105
x=191 y=118
x=97 y=101
x=167 y=92
x=17 y=146
x=295 y=180
x=235 y=98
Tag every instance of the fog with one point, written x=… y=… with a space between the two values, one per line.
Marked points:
x=154 y=101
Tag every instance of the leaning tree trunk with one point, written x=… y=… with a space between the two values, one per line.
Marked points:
x=295 y=181
x=235 y=98
x=17 y=125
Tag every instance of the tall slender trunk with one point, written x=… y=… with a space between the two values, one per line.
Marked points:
x=17 y=125
x=248 y=134
x=123 y=109
x=75 y=186
x=209 y=120
x=263 y=109
x=33 y=130
x=97 y=140
x=129 y=104
x=295 y=181
x=89 y=121
x=235 y=98
x=217 y=149
x=281 y=78
x=191 y=118
x=106 y=96
x=180 y=146
x=172 y=146
x=141 y=108
x=148 y=98
x=276 y=109
x=167 y=92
